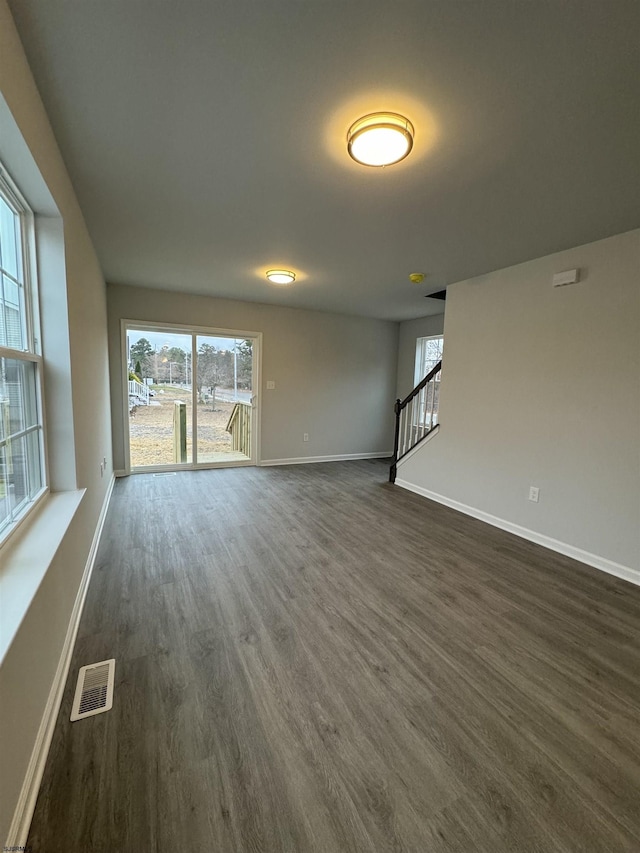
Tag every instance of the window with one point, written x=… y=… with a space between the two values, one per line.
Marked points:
x=428 y=354
x=22 y=469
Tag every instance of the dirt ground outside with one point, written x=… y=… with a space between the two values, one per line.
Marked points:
x=151 y=429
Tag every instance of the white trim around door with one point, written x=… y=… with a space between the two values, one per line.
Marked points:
x=194 y=331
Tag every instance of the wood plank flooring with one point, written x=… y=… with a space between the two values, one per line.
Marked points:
x=309 y=659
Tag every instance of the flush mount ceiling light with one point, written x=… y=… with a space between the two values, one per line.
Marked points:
x=281 y=276
x=380 y=139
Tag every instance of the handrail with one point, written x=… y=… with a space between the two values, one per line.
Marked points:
x=421 y=385
x=239 y=425
x=416 y=424
x=234 y=413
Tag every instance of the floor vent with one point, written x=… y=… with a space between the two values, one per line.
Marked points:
x=94 y=690
x=165 y=474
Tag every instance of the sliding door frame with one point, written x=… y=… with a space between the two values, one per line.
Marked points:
x=194 y=331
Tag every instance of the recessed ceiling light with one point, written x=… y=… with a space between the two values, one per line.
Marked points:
x=380 y=139
x=281 y=276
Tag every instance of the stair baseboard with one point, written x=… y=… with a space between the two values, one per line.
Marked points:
x=424 y=440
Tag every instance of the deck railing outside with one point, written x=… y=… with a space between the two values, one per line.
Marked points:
x=239 y=425
x=139 y=391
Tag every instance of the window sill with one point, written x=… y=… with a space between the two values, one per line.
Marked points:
x=25 y=559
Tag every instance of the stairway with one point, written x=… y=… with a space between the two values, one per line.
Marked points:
x=416 y=417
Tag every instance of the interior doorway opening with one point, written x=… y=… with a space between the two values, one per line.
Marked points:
x=191 y=397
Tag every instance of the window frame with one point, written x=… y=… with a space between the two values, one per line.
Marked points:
x=418 y=371
x=32 y=354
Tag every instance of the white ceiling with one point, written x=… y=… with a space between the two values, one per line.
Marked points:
x=206 y=140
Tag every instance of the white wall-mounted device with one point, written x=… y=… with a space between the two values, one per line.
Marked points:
x=566 y=277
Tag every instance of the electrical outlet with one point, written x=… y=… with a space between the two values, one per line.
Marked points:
x=270 y=385
x=534 y=493
x=305 y=437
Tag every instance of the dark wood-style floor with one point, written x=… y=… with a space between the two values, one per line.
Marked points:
x=309 y=659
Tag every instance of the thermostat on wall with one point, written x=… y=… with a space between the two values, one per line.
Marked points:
x=566 y=277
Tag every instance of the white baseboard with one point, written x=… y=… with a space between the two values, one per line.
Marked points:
x=23 y=814
x=343 y=457
x=620 y=571
x=120 y=473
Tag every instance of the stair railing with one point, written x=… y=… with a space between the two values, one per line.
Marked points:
x=239 y=425
x=416 y=416
x=140 y=391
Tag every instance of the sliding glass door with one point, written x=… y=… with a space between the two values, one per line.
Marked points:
x=190 y=396
x=160 y=393
x=225 y=398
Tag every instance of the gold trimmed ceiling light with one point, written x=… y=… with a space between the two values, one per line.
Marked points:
x=281 y=276
x=380 y=139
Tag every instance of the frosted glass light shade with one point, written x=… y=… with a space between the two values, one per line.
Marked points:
x=281 y=276
x=380 y=139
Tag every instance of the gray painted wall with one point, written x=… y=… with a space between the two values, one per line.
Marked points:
x=410 y=331
x=335 y=375
x=81 y=372
x=541 y=386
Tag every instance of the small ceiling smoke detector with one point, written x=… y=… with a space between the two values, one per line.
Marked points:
x=417 y=277
x=281 y=276
x=380 y=139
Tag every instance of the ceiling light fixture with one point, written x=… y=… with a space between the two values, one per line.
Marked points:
x=281 y=276
x=380 y=139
